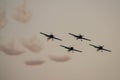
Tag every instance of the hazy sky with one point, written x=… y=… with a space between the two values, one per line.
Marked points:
x=98 y=20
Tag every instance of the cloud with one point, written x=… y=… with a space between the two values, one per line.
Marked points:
x=22 y=14
x=3 y=20
x=33 y=44
x=35 y=62
x=59 y=59
x=11 y=49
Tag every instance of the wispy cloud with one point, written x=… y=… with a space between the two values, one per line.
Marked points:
x=34 y=62
x=59 y=59
x=32 y=44
x=22 y=14
x=11 y=49
x=3 y=20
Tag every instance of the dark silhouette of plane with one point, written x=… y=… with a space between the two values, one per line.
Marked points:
x=51 y=36
x=70 y=49
x=79 y=37
x=100 y=48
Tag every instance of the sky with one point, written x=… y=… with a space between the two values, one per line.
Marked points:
x=27 y=55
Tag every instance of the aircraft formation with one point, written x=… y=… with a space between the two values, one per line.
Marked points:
x=78 y=37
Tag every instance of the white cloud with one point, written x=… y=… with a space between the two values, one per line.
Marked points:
x=32 y=44
x=22 y=14
x=34 y=62
x=59 y=58
x=11 y=49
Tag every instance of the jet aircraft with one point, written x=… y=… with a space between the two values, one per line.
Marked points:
x=100 y=48
x=50 y=36
x=70 y=49
x=79 y=37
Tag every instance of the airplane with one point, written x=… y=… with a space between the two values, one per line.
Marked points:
x=79 y=37
x=100 y=48
x=50 y=36
x=71 y=49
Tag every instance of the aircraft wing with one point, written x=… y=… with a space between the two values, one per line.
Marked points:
x=94 y=46
x=65 y=47
x=86 y=39
x=44 y=34
x=107 y=50
x=57 y=39
x=77 y=50
x=72 y=34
